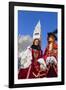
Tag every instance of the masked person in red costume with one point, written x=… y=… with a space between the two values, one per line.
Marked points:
x=37 y=70
x=33 y=66
x=51 y=55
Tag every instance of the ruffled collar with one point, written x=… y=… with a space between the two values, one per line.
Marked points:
x=36 y=47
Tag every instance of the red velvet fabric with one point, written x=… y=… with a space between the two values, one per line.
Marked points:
x=23 y=73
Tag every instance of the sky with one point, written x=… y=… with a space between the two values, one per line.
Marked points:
x=27 y=20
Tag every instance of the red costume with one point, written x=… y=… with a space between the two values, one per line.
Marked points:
x=35 y=66
x=33 y=71
x=52 y=69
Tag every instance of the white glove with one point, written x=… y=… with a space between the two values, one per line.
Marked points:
x=51 y=60
x=42 y=63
